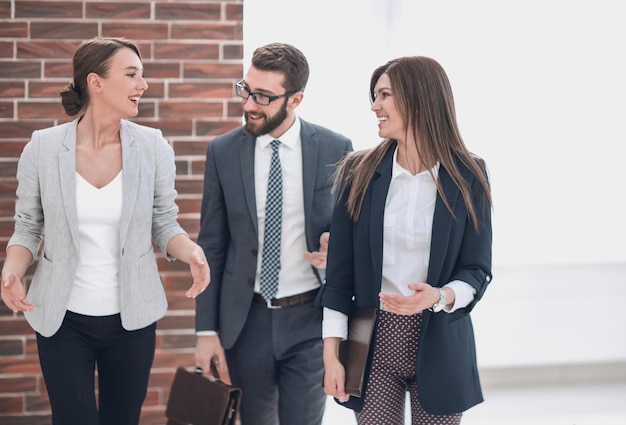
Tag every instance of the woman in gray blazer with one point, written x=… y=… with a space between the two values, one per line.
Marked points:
x=99 y=190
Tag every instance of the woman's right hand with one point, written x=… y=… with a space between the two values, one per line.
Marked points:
x=334 y=372
x=13 y=293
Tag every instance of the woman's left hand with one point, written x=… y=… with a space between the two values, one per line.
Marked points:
x=423 y=297
x=200 y=273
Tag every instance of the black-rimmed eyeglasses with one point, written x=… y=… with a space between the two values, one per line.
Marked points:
x=259 y=98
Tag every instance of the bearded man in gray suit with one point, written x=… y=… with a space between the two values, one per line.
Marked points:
x=268 y=341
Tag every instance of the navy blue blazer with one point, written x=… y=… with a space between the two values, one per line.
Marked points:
x=447 y=373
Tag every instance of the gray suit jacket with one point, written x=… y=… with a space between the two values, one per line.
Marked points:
x=46 y=207
x=228 y=232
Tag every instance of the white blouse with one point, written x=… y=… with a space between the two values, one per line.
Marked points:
x=95 y=291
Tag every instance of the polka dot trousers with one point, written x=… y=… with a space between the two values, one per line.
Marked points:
x=393 y=373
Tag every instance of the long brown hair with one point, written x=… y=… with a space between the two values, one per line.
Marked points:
x=423 y=96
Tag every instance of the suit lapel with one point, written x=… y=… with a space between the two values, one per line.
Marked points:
x=310 y=158
x=380 y=188
x=131 y=164
x=442 y=226
x=246 y=156
x=67 y=176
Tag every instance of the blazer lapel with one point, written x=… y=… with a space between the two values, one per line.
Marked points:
x=442 y=226
x=131 y=160
x=310 y=158
x=380 y=188
x=246 y=155
x=67 y=176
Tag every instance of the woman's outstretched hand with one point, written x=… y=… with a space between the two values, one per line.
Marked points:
x=200 y=273
x=423 y=297
x=13 y=293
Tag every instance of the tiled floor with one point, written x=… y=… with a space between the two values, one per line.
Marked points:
x=593 y=404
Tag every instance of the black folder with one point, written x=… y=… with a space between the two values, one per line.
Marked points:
x=353 y=352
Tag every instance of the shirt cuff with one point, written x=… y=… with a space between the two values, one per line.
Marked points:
x=335 y=324
x=206 y=333
x=463 y=295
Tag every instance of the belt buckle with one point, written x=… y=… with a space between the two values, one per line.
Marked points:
x=270 y=306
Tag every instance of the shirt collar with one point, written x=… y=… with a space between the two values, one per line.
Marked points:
x=289 y=137
x=397 y=170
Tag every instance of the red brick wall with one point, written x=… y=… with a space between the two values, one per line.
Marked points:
x=192 y=53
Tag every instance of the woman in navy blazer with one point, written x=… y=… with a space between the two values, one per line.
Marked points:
x=410 y=235
x=100 y=190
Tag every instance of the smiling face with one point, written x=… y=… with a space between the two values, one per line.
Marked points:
x=120 y=90
x=390 y=122
x=275 y=118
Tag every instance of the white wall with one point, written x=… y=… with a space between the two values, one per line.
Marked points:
x=540 y=90
x=550 y=315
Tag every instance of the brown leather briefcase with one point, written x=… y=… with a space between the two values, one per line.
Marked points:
x=197 y=399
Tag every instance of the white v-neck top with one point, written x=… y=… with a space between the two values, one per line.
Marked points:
x=95 y=291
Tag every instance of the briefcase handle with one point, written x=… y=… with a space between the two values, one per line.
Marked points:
x=214 y=371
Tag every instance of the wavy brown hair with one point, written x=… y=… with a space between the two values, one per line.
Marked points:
x=423 y=96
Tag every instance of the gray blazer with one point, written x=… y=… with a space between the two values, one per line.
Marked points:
x=46 y=207
x=228 y=232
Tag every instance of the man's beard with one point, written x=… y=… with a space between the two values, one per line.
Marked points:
x=270 y=124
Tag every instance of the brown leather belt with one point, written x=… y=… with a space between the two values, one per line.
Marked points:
x=286 y=301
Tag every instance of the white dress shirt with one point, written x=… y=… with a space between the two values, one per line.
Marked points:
x=295 y=275
x=408 y=223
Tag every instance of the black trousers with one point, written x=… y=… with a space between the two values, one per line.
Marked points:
x=123 y=360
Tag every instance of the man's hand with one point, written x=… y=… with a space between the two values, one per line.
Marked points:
x=318 y=258
x=209 y=349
